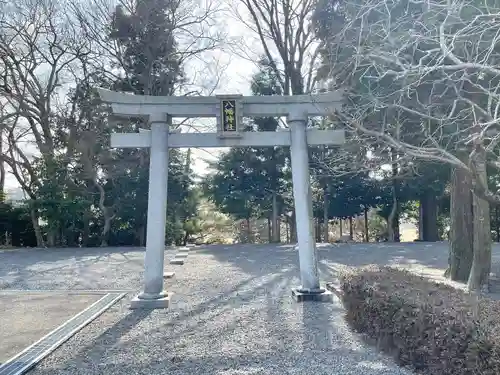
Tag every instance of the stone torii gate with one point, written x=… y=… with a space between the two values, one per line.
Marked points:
x=229 y=111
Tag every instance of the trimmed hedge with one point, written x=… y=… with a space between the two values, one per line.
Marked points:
x=429 y=326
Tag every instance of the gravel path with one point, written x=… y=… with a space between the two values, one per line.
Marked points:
x=231 y=312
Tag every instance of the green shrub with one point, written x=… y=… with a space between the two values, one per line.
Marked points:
x=424 y=324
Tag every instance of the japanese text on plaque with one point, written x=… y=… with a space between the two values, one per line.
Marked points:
x=229 y=115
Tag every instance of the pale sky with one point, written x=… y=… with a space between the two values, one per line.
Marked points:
x=235 y=79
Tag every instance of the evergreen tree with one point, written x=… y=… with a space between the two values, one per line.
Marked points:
x=151 y=66
x=250 y=182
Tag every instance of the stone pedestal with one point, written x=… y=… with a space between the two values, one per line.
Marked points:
x=304 y=296
x=140 y=302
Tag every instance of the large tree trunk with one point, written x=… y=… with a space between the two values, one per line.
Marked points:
x=481 y=262
x=340 y=227
x=326 y=202
x=141 y=235
x=105 y=231
x=269 y=230
x=2 y=167
x=428 y=217
x=497 y=224
x=293 y=228
x=393 y=219
x=287 y=228
x=351 y=229
x=393 y=227
x=367 y=233
x=107 y=214
x=276 y=235
x=461 y=234
x=421 y=221
x=277 y=232
x=51 y=237
x=36 y=226
x=249 y=235
x=86 y=230
x=71 y=236
x=318 y=229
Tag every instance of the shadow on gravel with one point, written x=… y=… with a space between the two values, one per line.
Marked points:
x=265 y=363
x=109 y=339
x=240 y=295
x=252 y=258
x=434 y=255
x=20 y=259
x=257 y=307
x=317 y=319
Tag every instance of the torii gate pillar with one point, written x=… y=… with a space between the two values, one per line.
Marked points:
x=302 y=197
x=153 y=295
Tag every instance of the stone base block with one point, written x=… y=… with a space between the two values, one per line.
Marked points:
x=325 y=296
x=181 y=255
x=178 y=261
x=160 y=303
x=168 y=275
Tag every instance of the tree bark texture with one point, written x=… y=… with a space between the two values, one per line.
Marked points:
x=481 y=261
x=287 y=227
x=293 y=228
x=326 y=201
x=351 y=228
x=367 y=234
x=318 y=229
x=276 y=235
x=270 y=230
x=429 y=214
x=393 y=222
x=393 y=219
x=36 y=226
x=461 y=235
x=497 y=224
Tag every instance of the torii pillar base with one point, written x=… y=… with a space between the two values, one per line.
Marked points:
x=151 y=303
x=321 y=295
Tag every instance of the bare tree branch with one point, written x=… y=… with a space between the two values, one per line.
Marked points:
x=284 y=31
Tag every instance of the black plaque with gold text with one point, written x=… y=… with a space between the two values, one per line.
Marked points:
x=228 y=115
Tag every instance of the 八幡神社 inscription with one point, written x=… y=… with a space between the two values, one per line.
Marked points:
x=229 y=116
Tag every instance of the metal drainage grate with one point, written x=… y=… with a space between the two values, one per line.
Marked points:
x=33 y=354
